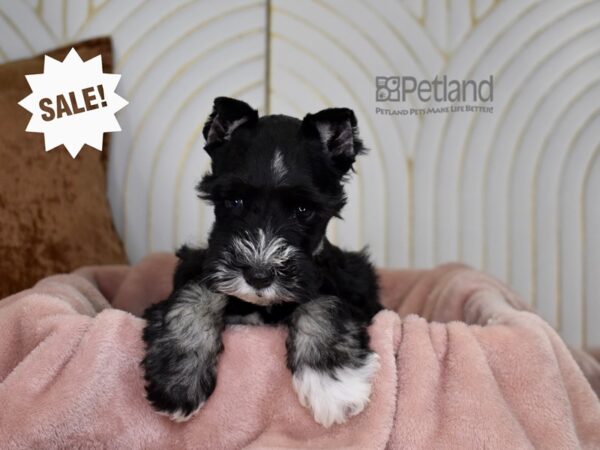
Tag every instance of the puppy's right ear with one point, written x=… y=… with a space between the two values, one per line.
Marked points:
x=227 y=115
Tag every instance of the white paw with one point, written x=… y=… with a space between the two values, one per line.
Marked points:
x=179 y=415
x=335 y=398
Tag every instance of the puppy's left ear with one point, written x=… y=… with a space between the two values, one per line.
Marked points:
x=337 y=130
x=228 y=114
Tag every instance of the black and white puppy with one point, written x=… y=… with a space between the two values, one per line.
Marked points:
x=276 y=181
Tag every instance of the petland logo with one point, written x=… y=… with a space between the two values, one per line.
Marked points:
x=459 y=93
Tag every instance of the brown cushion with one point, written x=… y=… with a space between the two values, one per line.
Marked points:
x=54 y=214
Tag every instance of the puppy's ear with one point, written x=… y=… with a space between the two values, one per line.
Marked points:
x=337 y=130
x=227 y=115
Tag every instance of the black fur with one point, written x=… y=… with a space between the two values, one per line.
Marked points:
x=275 y=184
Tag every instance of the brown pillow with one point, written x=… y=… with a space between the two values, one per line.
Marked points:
x=54 y=214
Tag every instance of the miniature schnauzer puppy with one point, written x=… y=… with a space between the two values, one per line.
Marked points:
x=275 y=183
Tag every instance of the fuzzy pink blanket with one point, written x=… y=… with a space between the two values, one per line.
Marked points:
x=474 y=371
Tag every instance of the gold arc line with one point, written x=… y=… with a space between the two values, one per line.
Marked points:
x=330 y=38
x=153 y=63
x=502 y=33
x=39 y=13
x=434 y=42
x=152 y=26
x=505 y=113
x=568 y=107
x=396 y=70
x=585 y=292
x=518 y=145
x=370 y=125
x=94 y=13
x=196 y=26
x=180 y=71
x=409 y=48
x=299 y=111
x=17 y=31
x=372 y=42
x=572 y=143
x=501 y=120
x=174 y=116
x=327 y=102
x=533 y=255
x=437 y=151
x=187 y=152
x=487 y=162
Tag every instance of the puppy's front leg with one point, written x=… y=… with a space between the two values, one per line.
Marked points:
x=330 y=359
x=183 y=340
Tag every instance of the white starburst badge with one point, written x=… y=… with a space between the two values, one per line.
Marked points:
x=73 y=103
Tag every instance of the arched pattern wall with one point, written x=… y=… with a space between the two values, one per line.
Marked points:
x=513 y=192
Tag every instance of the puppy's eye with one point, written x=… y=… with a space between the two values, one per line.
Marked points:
x=303 y=212
x=236 y=204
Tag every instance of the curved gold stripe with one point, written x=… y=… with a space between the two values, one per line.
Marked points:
x=124 y=18
x=423 y=22
x=409 y=48
x=370 y=125
x=361 y=201
x=157 y=59
x=156 y=153
x=499 y=122
x=584 y=279
x=17 y=32
x=539 y=158
x=150 y=108
x=127 y=54
x=418 y=17
x=574 y=139
x=186 y=154
x=94 y=10
x=345 y=50
x=358 y=28
x=138 y=8
x=475 y=64
x=326 y=101
x=38 y=11
x=437 y=151
x=518 y=145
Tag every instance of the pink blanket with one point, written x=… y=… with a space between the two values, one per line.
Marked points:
x=500 y=377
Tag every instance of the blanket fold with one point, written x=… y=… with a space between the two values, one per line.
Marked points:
x=464 y=364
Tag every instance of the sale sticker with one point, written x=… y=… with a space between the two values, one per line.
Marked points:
x=73 y=103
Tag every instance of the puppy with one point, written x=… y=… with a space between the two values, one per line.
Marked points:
x=275 y=183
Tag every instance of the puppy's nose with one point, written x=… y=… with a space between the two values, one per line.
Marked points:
x=258 y=277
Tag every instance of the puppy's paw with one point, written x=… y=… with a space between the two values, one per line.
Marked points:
x=180 y=415
x=177 y=384
x=335 y=396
